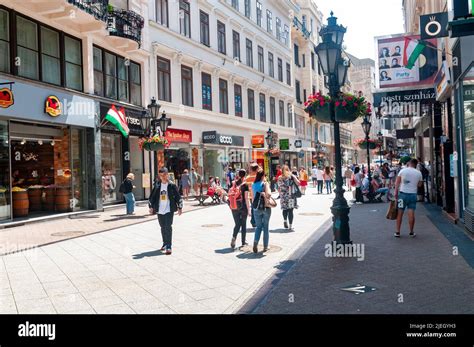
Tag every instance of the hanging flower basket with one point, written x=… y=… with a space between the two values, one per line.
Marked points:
x=363 y=144
x=318 y=107
x=273 y=153
x=155 y=143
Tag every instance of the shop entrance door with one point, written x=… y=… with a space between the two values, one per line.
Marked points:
x=79 y=173
x=136 y=167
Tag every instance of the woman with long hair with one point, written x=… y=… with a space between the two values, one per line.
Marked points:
x=358 y=177
x=286 y=187
x=328 y=176
x=262 y=214
x=303 y=177
x=243 y=208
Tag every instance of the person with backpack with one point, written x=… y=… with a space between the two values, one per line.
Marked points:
x=261 y=190
x=287 y=185
x=239 y=203
x=126 y=188
x=165 y=200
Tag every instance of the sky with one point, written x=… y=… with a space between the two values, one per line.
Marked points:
x=364 y=20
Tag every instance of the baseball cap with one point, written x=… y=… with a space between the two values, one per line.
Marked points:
x=163 y=170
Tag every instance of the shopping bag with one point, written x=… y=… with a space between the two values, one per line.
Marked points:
x=392 y=211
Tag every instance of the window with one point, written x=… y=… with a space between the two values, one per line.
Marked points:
x=272 y=111
x=259 y=13
x=235 y=4
x=313 y=65
x=247 y=9
x=4 y=41
x=164 y=79
x=304 y=95
x=206 y=91
x=238 y=100
x=298 y=91
x=288 y=74
x=281 y=109
x=249 y=52
x=204 y=18
x=162 y=12
x=278 y=29
x=271 y=65
x=314 y=90
x=50 y=56
x=184 y=18
x=116 y=78
x=27 y=48
x=187 y=85
x=280 y=70
x=303 y=57
x=297 y=55
x=236 y=44
x=221 y=37
x=286 y=35
x=319 y=68
x=263 y=108
x=251 y=103
x=269 y=21
x=290 y=116
x=261 y=66
x=223 y=96
x=73 y=63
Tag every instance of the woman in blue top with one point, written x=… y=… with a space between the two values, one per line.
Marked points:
x=262 y=214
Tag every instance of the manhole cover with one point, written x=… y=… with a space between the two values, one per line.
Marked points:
x=358 y=289
x=212 y=225
x=311 y=214
x=68 y=233
x=249 y=249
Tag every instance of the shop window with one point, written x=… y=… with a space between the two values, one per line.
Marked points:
x=27 y=48
x=111 y=167
x=238 y=100
x=73 y=62
x=187 y=85
x=251 y=103
x=164 y=79
x=4 y=41
x=468 y=98
x=206 y=91
x=5 y=206
x=50 y=61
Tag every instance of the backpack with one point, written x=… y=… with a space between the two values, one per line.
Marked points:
x=424 y=171
x=235 y=197
x=122 y=187
x=259 y=201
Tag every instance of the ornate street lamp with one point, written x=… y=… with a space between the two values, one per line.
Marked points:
x=366 y=125
x=380 y=138
x=164 y=123
x=334 y=67
x=356 y=155
x=270 y=143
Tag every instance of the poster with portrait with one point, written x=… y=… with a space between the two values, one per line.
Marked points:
x=391 y=72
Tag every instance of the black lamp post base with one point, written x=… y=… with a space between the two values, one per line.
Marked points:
x=340 y=211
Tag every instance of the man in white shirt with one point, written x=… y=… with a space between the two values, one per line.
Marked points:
x=406 y=188
x=320 y=179
x=314 y=176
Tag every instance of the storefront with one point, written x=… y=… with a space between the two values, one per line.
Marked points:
x=120 y=155
x=222 y=152
x=287 y=155
x=47 y=151
x=258 y=149
x=178 y=157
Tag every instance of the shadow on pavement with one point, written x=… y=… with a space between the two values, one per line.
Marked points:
x=156 y=253
x=225 y=251
x=122 y=217
x=251 y=255
x=282 y=231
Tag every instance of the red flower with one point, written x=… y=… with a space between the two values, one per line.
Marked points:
x=355 y=104
x=344 y=103
x=338 y=103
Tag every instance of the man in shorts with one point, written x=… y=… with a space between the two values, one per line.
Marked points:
x=406 y=188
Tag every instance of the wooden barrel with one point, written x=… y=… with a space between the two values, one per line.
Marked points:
x=20 y=204
x=34 y=196
x=62 y=197
x=48 y=199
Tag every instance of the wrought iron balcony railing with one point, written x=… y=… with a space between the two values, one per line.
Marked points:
x=302 y=27
x=126 y=24
x=97 y=8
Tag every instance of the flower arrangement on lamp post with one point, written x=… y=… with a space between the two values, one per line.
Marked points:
x=364 y=143
x=154 y=143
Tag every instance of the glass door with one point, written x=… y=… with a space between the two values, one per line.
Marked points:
x=5 y=207
x=136 y=167
x=79 y=173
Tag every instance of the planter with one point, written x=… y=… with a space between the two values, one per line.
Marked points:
x=62 y=199
x=321 y=114
x=34 y=195
x=346 y=115
x=48 y=199
x=153 y=146
x=363 y=145
x=21 y=204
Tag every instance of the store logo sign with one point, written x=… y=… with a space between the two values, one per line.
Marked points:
x=6 y=96
x=53 y=106
x=225 y=140
x=434 y=25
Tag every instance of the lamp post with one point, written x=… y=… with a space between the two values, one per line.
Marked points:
x=380 y=138
x=366 y=125
x=329 y=52
x=271 y=144
x=356 y=155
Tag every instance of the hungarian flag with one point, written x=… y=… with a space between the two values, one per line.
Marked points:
x=412 y=51
x=118 y=119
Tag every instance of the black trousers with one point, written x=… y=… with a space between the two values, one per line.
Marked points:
x=359 y=196
x=288 y=214
x=240 y=219
x=166 y=222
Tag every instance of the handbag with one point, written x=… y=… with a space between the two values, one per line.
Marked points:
x=392 y=211
x=269 y=201
x=297 y=193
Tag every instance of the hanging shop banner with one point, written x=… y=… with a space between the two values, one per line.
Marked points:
x=405 y=134
x=258 y=141
x=443 y=82
x=179 y=135
x=406 y=61
x=434 y=25
x=403 y=103
x=131 y=115
x=6 y=95
x=298 y=144
x=52 y=106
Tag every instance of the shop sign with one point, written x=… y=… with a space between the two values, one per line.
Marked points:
x=298 y=144
x=178 y=135
x=403 y=103
x=213 y=137
x=284 y=144
x=434 y=25
x=468 y=92
x=443 y=81
x=53 y=106
x=258 y=141
x=131 y=115
x=6 y=95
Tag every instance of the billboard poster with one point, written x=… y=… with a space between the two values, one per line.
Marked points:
x=392 y=51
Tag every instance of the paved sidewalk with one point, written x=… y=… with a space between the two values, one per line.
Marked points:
x=421 y=275
x=122 y=270
x=49 y=231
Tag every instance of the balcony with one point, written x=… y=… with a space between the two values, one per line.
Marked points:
x=97 y=8
x=126 y=24
x=299 y=26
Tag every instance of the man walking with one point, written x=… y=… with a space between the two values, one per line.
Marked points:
x=249 y=181
x=314 y=176
x=348 y=175
x=165 y=200
x=406 y=187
